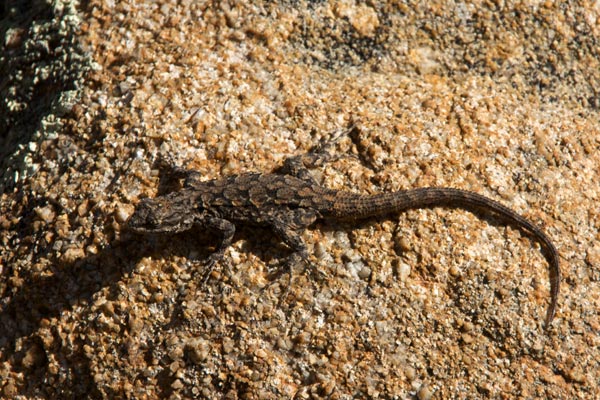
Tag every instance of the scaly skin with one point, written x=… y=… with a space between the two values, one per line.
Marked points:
x=290 y=201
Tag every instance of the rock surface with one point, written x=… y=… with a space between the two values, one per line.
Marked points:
x=499 y=98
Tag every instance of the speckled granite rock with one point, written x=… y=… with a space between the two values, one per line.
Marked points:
x=499 y=98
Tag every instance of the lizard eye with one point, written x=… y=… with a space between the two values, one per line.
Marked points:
x=154 y=221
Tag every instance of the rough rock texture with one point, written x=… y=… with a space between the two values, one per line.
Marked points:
x=496 y=97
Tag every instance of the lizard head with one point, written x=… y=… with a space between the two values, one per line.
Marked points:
x=170 y=213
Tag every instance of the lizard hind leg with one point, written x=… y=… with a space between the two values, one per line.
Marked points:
x=288 y=225
x=319 y=155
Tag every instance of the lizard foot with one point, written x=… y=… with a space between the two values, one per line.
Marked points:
x=209 y=265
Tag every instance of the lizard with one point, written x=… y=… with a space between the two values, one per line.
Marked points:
x=289 y=200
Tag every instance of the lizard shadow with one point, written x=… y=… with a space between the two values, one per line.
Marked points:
x=32 y=302
x=74 y=284
x=67 y=285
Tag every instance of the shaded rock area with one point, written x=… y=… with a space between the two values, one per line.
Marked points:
x=496 y=97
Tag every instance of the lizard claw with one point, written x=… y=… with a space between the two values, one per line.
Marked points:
x=210 y=265
x=325 y=145
x=322 y=152
x=290 y=262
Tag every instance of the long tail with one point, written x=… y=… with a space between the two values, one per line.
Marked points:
x=355 y=206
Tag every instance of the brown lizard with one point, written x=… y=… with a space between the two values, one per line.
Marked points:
x=288 y=201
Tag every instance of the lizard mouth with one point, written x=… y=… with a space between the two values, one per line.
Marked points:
x=144 y=218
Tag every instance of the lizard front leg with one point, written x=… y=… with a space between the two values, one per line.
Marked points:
x=226 y=229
